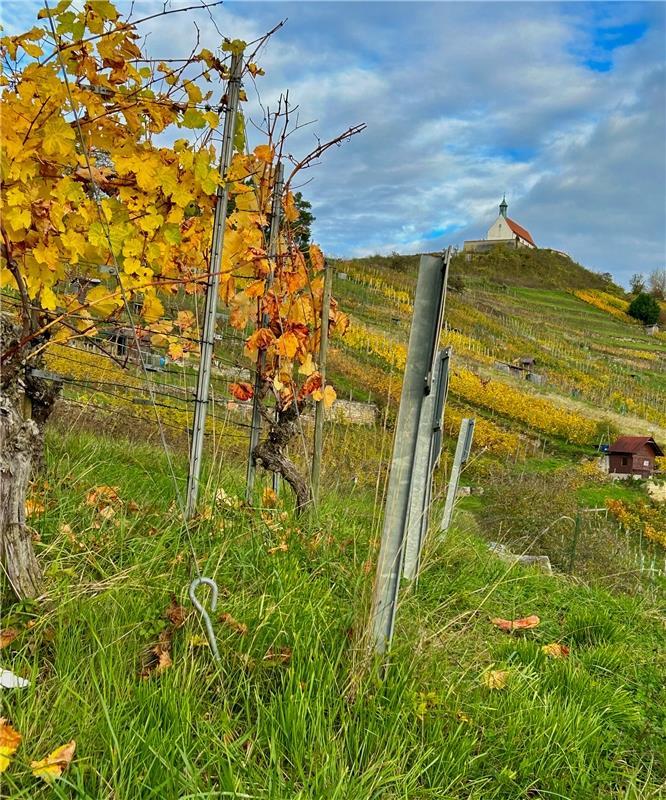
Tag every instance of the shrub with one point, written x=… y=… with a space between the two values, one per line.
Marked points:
x=645 y=308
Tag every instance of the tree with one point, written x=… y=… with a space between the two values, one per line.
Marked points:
x=302 y=227
x=645 y=308
x=637 y=283
x=89 y=193
x=657 y=283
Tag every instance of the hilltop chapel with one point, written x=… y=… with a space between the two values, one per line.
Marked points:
x=503 y=231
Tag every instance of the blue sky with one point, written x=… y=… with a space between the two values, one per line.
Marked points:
x=560 y=105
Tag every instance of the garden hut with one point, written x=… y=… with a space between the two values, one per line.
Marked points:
x=633 y=455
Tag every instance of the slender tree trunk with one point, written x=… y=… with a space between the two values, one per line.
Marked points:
x=269 y=454
x=25 y=405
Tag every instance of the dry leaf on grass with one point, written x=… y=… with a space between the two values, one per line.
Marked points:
x=281 y=655
x=269 y=498
x=158 y=657
x=495 y=678
x=176 y=614
x=555 y=650
x=7 y=636
x=34 y=507
x=279 y=548
x=239 y=627
x=55 y=764
x=9 y=742
x=522 y=624
x=103 y=495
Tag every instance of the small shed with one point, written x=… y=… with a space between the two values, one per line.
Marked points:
x=633 y=455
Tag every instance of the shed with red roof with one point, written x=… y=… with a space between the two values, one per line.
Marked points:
x=633 y=455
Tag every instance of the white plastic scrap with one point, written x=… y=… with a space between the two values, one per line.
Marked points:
x=10 y=681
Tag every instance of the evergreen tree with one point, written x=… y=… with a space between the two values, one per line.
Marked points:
x=645 y=308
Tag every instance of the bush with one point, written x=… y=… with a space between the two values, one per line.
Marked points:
x=645 y=308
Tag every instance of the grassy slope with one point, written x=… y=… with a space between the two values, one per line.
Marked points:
x=318 y=724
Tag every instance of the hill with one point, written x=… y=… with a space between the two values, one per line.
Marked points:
x=532 y=268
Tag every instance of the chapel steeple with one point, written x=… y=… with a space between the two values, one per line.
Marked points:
x=503 y=206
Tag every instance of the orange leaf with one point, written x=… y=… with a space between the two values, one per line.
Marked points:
x=287 y=345
x=53 y=765
x=255 y=289
x=269 y=499
x=241 y=391
x=525 y=623
x=259 y=340
x=316 y=258
x=328 y=395
x=34 y=507
x=555 y=650
x=9 y=742
x=7 y=636
x=311 y=384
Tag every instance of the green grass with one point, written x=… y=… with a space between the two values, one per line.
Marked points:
x=317 y=722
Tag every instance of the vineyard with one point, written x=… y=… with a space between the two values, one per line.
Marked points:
x=212 y=433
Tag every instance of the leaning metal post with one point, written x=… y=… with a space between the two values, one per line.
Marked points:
x=428 y=311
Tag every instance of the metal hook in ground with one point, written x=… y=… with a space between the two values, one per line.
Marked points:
x=213 y=603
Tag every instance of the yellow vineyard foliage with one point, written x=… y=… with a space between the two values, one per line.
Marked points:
x=605 y=302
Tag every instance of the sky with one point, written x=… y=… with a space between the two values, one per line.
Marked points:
x=559 y=105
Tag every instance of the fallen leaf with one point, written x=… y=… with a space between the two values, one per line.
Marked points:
x=239 y=627
x=198 y=641
x=279 y=548
x=7 y=636
x=9 y=742
x=280 y=656
x=133 y=506
x=158 y=657
x=555 y=650
x=462 y=717
x=176 y=614
x=495 y=678
x=269 y=498
x=34 y=507
x=102 y=496
x=53 y=765
x=509 y=625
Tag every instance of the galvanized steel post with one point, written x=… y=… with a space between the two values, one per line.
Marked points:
x=320 y=408
x=212 y=288
x=423 y=339
x=462 y=454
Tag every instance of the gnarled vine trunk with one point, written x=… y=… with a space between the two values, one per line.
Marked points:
x=269 y=454
x=25 y=405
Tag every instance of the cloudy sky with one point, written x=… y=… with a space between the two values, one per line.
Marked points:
x=560 y=105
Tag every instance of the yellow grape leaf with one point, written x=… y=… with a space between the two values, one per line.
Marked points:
x=48 y=298
x=102 y=301
x=316 y=258
x=290 y=210
x=307 y=367
x=9 y=742
x=175 y=351
x=264 y=152
x=555 y=650
x=53 y=765
x=254 y=70
x=495 y=678
x=152 y=308
x=185 y=320
x=328 y=395
x=255 y=289
x=287 y=345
